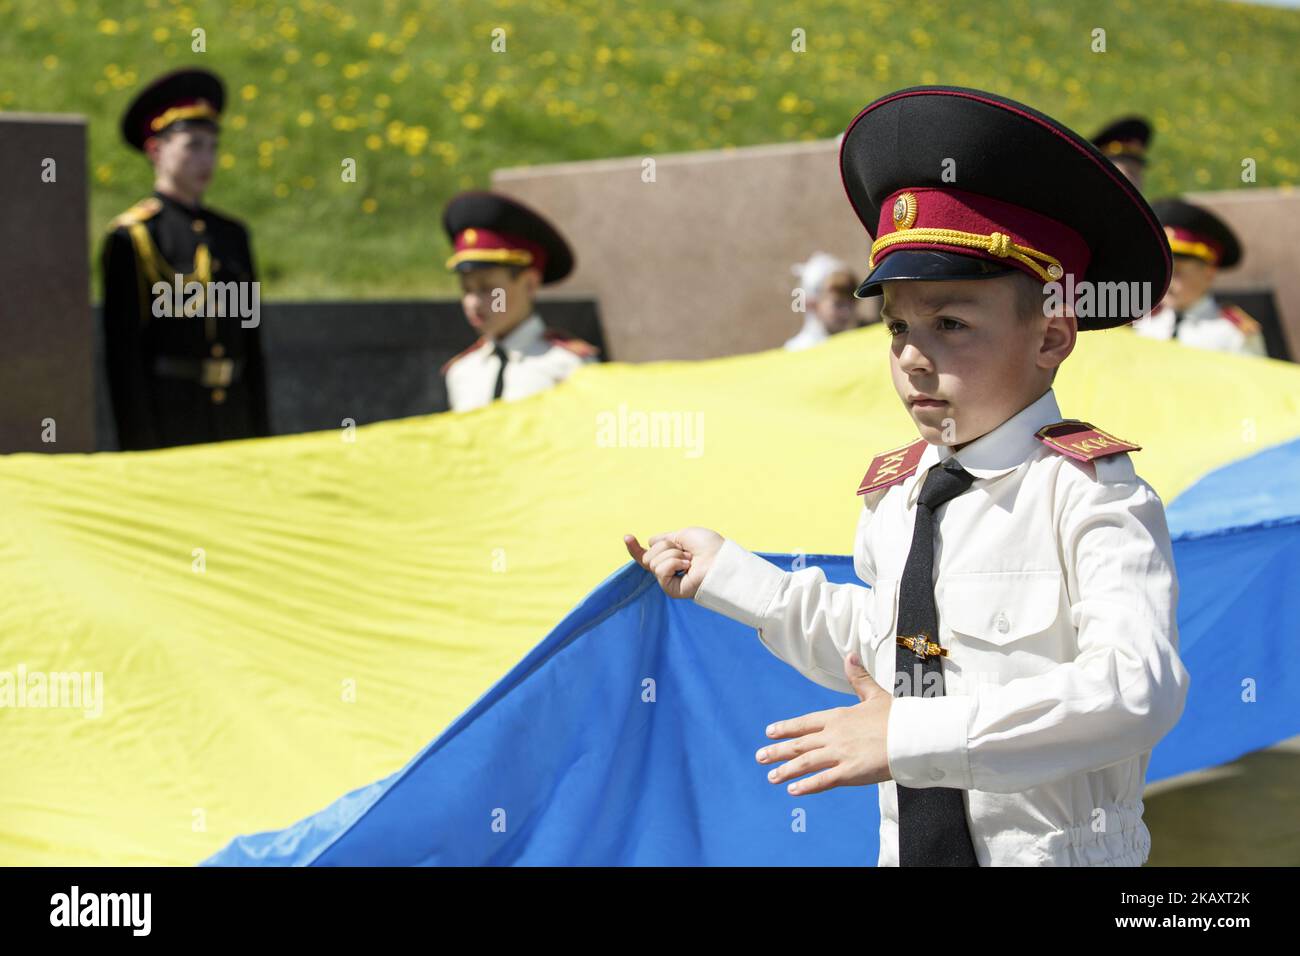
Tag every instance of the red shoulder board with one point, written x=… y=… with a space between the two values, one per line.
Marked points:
x=892 y=467
x=459 y=355
x=1081 y=441
x=570 y=342
x=1240 y=319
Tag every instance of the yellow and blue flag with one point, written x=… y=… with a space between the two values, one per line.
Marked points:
x=279 y=621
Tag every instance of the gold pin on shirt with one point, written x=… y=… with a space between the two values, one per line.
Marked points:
x=921 y=645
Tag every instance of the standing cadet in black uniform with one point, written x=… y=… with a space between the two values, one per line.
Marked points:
x=178 y=379
x=1125 y=143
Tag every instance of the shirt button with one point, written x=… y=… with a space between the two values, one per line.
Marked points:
x=1001 y=623
x=936 y=773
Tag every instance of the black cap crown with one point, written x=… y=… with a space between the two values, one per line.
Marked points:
x=486 y=228
x=959 y=183
x=177 y=97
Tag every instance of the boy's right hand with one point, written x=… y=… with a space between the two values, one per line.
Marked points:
x=691 y=550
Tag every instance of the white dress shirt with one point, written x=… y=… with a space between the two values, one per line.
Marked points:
x=535 y=362
x=1204 y=326
x=1056 y=594
x=812 y=333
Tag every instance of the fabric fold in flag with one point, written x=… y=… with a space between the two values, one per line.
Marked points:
x=627 y=737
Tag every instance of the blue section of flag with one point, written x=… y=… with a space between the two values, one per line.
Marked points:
x=1261 y=490
x=627 y=737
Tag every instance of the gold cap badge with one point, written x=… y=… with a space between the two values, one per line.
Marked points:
x=905 y=211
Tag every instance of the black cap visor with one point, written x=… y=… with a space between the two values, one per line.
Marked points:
x=928 y=265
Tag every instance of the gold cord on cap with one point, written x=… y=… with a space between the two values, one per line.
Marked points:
x=518 y=257
x=997 y=243
x=200 y=110
x=1189 y=247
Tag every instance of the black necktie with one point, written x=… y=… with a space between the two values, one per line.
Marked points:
x=1178 y=318
x=932 y=827
x=500 y=353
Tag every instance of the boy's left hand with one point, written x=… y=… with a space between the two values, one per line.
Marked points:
x=847 y=744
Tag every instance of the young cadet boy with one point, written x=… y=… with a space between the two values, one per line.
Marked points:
x=179 y=379
x=1023 y=588
x=503 y=251
x=1202 y=244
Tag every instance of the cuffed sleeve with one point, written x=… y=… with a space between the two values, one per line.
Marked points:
x=740 y=585
x=926 y=741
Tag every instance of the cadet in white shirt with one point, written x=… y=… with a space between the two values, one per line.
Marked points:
x=829 y=304
x=503 y=251
x=1202 y=244
x=1023 y=593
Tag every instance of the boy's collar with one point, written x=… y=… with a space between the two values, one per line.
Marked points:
x=996 y=452
x=1203 y=308
x=523 y=333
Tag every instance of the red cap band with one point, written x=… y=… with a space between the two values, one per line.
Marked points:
x=1184 y=242
x=484 y=245
x=927 y=209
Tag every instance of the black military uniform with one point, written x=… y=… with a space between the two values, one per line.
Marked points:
x=177 y=379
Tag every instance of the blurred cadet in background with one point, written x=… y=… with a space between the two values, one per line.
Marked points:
x=1202 y=244
x=187 y=375
x=829 y=306
x=1126 y=141
x=503 y=252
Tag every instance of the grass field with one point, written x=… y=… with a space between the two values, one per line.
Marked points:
x=416 y=94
